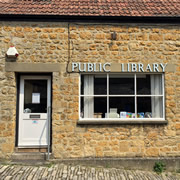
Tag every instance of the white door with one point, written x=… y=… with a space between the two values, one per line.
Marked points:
x=34 y=100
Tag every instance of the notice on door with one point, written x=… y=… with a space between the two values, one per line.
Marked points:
x=35 y=98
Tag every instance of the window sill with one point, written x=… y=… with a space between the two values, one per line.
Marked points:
x=122 y=121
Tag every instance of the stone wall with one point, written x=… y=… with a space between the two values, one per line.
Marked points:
x=54 y=43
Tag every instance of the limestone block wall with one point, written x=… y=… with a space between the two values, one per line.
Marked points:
x=48 y=42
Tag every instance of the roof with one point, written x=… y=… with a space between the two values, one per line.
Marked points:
x=132 y=8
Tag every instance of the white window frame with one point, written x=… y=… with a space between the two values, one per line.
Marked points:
x=122 y=120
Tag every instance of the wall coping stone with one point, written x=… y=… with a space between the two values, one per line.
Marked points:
x=138 y=163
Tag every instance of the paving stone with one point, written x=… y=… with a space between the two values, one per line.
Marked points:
x=45 y=173
x=60 y=172
x=8 y=177
x=5 y=173
x=3 y=169
x=27 y=172
x=122 y=176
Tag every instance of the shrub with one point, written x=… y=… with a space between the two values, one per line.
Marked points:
x=159 y=167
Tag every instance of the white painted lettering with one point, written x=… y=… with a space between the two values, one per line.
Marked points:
x=155 y=67
x=90 y=67
x=148 y=68
x=163 y=67
x=74 y=65
x=104 y=67
x=128 y=67
x=100 y=67
x=122 y=67
x=84 y=67
x=140 y=67
x=133 y=67
x=95 y=70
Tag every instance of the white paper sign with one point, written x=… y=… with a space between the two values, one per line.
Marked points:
x=35 y=98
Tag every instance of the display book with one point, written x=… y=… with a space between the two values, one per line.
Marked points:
x=123 y=114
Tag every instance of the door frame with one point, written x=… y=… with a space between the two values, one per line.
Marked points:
x=21 y=77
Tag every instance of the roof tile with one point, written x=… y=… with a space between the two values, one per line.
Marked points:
x=92 y=7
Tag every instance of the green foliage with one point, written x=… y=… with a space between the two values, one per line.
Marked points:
x=159 y=167
x=49 y=164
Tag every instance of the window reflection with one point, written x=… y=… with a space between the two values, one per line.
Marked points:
x=35 y=105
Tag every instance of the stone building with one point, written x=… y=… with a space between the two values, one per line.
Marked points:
x=95 y=79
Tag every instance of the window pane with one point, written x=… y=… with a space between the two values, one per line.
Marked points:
x=87 y=85
x=82 y=107
x=121 y=105
x=93 y=107
x=121 y=84
x=100 y=107
x=156 y=84
x=143 y=84
x=87 y=107
x=100 y=84
x=82 y=84
x=149 y=84
x=34 y=88
x=149 y=107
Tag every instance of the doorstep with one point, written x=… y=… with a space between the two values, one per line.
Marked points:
x=31 y=149
x=30 y=155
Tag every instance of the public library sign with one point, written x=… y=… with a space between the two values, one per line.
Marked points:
x=119 y=67
x=78 y=67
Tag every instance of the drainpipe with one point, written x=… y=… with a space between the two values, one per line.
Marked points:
x=48 y=131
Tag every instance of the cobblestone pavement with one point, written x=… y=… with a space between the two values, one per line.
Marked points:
x=64 y=172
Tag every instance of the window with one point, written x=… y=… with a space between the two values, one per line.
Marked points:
x=122 y=96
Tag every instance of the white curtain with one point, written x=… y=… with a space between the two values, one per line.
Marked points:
x=156 y=102
x=88 y=101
